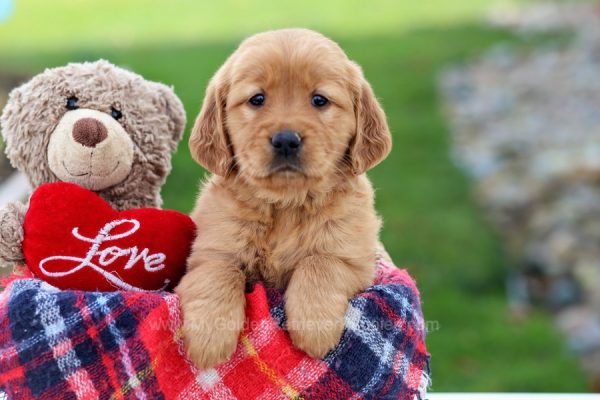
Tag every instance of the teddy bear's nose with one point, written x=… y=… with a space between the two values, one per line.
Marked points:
x=89 y=132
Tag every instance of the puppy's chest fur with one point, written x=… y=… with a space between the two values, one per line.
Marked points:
x=277 y=243
x=268 y=241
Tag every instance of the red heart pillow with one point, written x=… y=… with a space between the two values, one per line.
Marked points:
x=75 y=240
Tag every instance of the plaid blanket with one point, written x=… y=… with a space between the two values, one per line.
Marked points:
x=126 y=345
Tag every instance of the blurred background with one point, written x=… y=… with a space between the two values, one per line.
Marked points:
x=491 y=196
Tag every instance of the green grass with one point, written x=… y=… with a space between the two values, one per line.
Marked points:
x=60 y=24
x=432 y=225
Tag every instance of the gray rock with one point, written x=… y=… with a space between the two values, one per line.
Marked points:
x=526 y=128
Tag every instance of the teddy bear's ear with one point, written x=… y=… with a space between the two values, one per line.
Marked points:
x=7 y=114
x=175 y=111
x=12 y=126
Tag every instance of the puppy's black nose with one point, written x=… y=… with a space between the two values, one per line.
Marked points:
x=286 y=143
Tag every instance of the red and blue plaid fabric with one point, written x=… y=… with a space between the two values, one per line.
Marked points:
x=126 y=345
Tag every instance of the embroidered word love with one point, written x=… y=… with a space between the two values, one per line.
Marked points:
x=98 y=259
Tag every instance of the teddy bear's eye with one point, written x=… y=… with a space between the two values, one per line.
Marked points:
x=72 y=103
x=116 y=114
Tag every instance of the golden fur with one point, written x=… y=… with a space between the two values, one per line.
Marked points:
x=314 y=232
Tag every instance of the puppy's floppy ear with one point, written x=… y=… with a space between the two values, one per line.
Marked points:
x=372 y=141
x=209 y=141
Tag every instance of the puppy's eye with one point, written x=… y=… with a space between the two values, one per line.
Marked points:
x=116 y=114
x=72 y=103
x=319 y=101
x=257 y=100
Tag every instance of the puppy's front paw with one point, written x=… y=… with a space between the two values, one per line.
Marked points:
x=315 y=327
x=211 y=336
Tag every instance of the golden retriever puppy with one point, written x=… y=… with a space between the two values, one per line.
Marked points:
x=288 y=127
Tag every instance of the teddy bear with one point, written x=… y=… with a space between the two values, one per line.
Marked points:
x=101 y=127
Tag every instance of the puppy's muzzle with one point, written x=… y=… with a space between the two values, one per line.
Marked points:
x=286 y=144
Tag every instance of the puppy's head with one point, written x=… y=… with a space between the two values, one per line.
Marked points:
x=289 y=110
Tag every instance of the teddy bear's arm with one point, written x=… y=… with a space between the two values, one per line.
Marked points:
x=12 y=217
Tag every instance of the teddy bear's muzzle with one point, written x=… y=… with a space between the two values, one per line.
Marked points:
x=91 y=149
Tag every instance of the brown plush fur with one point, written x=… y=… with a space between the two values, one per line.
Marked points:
x=314 y=232
x=153 y=119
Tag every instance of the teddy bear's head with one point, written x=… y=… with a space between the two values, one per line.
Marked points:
x=96 y=125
